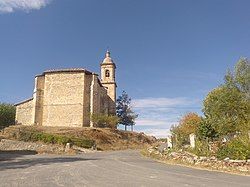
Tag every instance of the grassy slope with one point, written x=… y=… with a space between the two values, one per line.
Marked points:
x=106 y=139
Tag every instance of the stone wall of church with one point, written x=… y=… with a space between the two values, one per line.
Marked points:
x=38 y=99
x=94 y=97
x=86 y=100
x=110 y=97
x=99 y=100
x=63 y=99
x=104 y=101
x=24 y=113
x=96 y=94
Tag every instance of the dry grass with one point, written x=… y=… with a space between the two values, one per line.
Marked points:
x=105 y=138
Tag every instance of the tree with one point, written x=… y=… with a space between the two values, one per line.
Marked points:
x=206 y=131
x=188 y=124
x=124 y=111
x=227 y=108
x=7 y=115
x=240 y=77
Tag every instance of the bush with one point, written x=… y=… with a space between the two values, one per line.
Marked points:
x=7 y=115
x=58 y=139
x=104 y=120
x=63 y=140
x=206 y=131
x=238 y=148
x=82 y=142
x=201 y=148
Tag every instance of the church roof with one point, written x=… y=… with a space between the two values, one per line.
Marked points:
x=69 y=70
x=66 y=70
x=24 y=101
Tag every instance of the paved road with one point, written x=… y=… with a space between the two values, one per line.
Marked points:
x=122 y=168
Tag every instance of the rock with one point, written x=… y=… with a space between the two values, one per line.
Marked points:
x=189 y=160
x=150 y=150
x=192 y=138
x=169 y=142
x=156 y=152
x=94 y=147
x=82 y=150
x=237 y=161
x=243 y=168
x=213 y=158
x=174 y=154
x=67 y=147
x=195 y=158
x=203 y=158
x=162 y=147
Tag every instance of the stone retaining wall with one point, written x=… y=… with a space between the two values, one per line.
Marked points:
x=186 y=158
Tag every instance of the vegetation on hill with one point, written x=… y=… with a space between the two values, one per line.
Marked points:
x=7 y=115
x=226 y=120
x=35 y=135
x=104 y=120
x=103 y=138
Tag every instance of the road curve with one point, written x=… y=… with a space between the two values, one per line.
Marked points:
x=120 y=168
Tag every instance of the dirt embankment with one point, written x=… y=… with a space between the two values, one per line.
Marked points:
x=104 y=138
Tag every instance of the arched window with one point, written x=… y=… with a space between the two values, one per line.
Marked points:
x=107 y=73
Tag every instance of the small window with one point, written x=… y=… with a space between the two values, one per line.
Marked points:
x=107 y=74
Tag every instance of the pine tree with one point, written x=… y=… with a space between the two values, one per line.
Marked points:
x=124 y=111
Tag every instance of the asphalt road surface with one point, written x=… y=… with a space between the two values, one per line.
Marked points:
x=121 y=168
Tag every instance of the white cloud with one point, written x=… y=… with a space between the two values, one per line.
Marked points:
x=158 y=133
x=161 y=102
x=157 y=128
x=151 y=122
x=157 y=115
x=8 y=6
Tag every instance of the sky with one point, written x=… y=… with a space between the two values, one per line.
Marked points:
x=169 y=53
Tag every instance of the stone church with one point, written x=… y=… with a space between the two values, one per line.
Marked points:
x=68 y=97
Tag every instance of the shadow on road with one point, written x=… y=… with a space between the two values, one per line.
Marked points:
x=17 y=160
x=10 y=155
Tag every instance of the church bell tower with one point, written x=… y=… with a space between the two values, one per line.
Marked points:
x=108 y=76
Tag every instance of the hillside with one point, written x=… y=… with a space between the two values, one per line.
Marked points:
x=103 y=138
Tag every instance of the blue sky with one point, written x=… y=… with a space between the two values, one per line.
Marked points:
x=169 y=54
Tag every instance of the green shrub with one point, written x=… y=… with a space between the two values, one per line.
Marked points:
x=7 y=115
x=238 y=148
x=104 y=120
x=82 y=142
x=24 y=136
x=54 y=139
x=206 y=131
x=202 y=148
x=48 y=138
x=63 y=140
